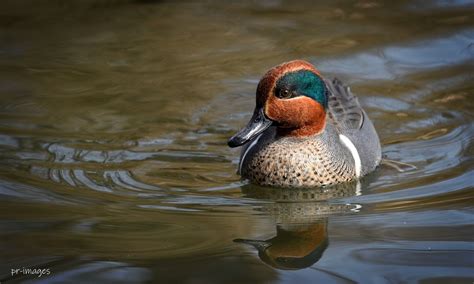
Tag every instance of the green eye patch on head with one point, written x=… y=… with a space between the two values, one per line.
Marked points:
x=302 y=83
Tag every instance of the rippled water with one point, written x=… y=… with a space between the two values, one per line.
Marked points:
x=114 y=117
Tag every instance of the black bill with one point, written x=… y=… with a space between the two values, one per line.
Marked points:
x=257 y=124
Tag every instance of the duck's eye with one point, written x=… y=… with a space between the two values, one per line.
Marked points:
x=284 y=94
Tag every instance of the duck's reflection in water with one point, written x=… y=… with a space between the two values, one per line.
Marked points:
x=294 y=247
x=301 y=219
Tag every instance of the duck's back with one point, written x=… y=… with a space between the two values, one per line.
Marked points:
x=352 y=122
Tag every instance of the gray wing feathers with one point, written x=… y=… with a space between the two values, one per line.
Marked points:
x=349 y=119
x=343 y=107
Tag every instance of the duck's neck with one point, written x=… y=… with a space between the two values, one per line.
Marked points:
x=315 y=128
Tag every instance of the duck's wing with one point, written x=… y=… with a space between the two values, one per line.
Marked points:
x=344 y=109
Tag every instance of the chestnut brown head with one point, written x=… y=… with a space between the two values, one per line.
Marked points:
x=291 y=96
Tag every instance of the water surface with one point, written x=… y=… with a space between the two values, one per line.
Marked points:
x=114 y=117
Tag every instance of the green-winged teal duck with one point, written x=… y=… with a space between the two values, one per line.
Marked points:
x=306 y=131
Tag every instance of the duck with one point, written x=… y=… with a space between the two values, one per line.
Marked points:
x=305 y=131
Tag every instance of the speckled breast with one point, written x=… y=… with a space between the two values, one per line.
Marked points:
x=296 y=162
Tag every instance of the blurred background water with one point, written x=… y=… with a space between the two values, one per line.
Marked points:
x=114 y=117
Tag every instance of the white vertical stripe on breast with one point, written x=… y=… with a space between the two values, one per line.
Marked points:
x=355 y=154
x=246 y=152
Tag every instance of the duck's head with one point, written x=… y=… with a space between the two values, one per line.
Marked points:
x=291 y=96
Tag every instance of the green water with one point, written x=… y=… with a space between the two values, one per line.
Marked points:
x=114 y=117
